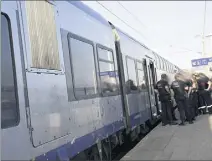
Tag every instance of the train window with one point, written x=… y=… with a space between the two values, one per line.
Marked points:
x=141 y=76
x=161 y=63
x=158 y=61
x=42 y=35
x=131 y=72
x=108 y=74
x=171 y=68
x=166 y=65
x=9 y=103
x=105 y=54
x=83 y=68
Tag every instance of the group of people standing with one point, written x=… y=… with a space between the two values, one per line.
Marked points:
x=190 y=95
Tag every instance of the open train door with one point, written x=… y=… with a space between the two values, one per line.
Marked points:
x=150 y=74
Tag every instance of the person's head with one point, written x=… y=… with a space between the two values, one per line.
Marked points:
x=164 y=77
x=177 y=76
x=193 y=76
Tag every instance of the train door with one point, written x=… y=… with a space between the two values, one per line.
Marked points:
x=14 y=131
x=151 y=79
x=154 y=76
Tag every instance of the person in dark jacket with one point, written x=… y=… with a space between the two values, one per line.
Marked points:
x=194 y=95
x=179 y=86
x=191 y=109
x=203 y=90
x=162 y=87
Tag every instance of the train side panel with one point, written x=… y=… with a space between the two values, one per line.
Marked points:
x=60 y=119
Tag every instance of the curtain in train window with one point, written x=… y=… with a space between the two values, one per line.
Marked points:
x=131 y=71
x=42 y=35
x=108 y=74
x=83 y=67
x=9 y=104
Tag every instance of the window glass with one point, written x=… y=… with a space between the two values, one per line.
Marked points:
x=108 y=74
x=84 y=73
x=105 y=54
x=132 y=81
x=157 y=61
x=139 y=65
x=166 y=65
x=42 y=34
x=161 y=63
x=141 y=76
x=107 y=77
x=9 y=106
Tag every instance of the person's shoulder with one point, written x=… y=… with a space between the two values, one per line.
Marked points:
x=158 y=81
x=164 y=81
x=173 y=81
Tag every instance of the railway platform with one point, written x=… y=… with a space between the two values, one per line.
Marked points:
x=189 y=142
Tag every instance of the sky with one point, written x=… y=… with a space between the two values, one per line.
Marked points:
x=169 y=28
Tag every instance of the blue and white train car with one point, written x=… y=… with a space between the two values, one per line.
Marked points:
x=68 y=90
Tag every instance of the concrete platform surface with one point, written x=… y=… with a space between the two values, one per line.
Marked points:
x=189 y=142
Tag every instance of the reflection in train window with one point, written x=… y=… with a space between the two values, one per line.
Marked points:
x=83 y=67
x=108 y=74
x=131 y=71
x=9 y=103
x=141 y=76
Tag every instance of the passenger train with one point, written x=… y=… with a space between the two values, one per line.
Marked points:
x=74 y=86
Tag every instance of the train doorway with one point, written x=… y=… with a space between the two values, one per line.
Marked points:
x=150 y=73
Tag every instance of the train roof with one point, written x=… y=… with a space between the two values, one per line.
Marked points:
x=89 y=11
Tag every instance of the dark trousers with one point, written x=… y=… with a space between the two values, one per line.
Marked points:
x=194 y=104
x=173 y=110
x=190 y=108
x=204 y=99
x=181 y=104
x=166 y=111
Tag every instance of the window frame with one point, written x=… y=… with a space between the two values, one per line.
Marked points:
x=136 y=74
x=106 y=61
x=13 y=63
x=82 y=39
x=26 y=41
